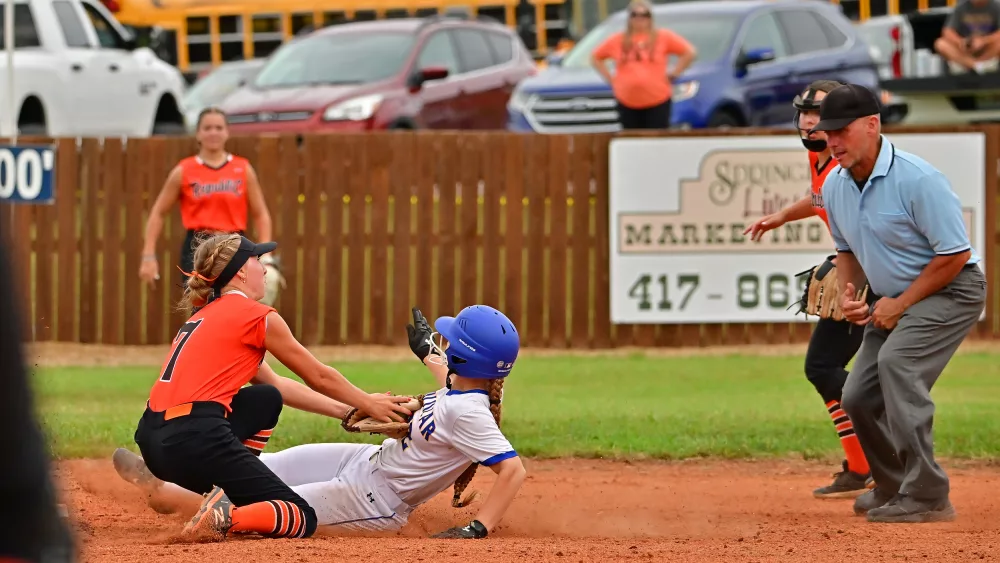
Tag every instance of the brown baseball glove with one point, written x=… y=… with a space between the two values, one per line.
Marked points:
x=821 y=295
x=359 y=421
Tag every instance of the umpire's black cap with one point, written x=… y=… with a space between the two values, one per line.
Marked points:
x=843 y=105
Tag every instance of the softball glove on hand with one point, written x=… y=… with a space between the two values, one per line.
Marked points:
x=420 y=335
x=360 y=421
x=474 y=531
x=821 y=295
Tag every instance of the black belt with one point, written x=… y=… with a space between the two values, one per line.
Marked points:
x=198 y=409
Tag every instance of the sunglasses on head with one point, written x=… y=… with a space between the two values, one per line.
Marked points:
x=639 y=14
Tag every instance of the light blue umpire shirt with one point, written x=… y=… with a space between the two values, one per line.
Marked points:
x=904 y=216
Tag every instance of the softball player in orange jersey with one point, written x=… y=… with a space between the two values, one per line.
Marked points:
x=203 y=430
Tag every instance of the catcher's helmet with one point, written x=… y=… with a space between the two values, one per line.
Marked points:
x=482 y=342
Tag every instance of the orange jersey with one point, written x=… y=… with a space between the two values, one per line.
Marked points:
x=215 y=353
x=214 y=199
x=818 y=177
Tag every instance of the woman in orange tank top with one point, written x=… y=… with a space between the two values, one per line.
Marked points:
x=217 y=192
x=203 y=430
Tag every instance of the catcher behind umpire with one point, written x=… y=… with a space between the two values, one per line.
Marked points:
x=834 y=340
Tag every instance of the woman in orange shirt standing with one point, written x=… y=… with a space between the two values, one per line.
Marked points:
x=217 y=191
x=641 y=83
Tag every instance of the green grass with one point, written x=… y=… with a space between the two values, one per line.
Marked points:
x=727 y=406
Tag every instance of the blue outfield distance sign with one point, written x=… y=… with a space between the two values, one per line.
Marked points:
x=27 y=174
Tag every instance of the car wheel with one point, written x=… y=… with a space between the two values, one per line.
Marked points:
x=32 y=130
x=723 y=119
x=171 y=129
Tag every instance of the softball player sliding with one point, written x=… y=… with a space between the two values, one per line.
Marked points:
x=374 y=488
x=833 y=343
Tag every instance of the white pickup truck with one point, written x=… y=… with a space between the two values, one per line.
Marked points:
x=78 y=72
x=913 y=72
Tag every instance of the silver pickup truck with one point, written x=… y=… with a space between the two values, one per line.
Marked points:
x=903 y=49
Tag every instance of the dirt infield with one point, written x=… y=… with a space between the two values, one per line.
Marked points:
x=581 y=511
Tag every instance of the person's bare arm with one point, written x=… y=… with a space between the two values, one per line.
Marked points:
x=801 y=209
x=938 y=273
x=167 y=198
x=510 y=476
x=952 y=36
x=169 y=194
x=849 y=271
x=280 y=341
x=299 y=396
x=438 y=367
x=258 y=207
x=601 y=68
x=684 y=60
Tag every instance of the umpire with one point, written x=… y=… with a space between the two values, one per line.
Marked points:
x=895 y=218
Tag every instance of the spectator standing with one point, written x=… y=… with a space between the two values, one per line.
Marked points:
x=641 y=83
x=970 y=39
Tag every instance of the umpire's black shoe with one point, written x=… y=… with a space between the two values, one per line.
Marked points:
x=874 y=498
x=906 y=509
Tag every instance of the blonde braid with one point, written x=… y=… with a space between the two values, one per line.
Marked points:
x=463 y=481
x=211 y=256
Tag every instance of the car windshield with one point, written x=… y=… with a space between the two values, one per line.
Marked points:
x=710 y=34
x=215 y=86
x=340 y=58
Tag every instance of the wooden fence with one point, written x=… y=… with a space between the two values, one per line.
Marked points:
x=368 y=225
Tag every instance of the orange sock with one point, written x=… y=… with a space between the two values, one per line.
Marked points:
x=258 y=441
x=856 y=461
x=273 y=518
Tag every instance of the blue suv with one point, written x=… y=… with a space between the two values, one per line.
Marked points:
x=753 y=58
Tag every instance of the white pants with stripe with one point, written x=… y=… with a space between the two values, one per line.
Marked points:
x=341 y=485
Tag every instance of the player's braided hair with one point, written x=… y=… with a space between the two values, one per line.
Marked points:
x=496 y=393
x=211 y=255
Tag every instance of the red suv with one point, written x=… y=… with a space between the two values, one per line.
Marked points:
x=439 y=72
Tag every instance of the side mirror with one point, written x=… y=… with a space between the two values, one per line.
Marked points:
x=419 y=77
x=130 y=43
x=555 y=59
x=754 y=56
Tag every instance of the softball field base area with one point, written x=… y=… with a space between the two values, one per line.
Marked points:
x=749 y=438
x=580 y=511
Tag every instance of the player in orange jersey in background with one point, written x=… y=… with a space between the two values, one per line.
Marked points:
x=833 y=343
x=217 y=191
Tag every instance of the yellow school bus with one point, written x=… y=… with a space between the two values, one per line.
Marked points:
x=196 y=35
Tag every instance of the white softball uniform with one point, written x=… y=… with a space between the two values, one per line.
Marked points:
x=367 y=487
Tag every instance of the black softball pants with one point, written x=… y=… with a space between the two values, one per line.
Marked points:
x=205 y=448
x=831 y=347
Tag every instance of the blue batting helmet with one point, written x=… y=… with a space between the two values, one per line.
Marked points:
x=482 y=342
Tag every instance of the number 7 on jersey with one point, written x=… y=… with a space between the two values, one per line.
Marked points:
x=182 y=337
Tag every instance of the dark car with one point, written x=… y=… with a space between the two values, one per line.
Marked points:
x=439 y=72
x=214 y=86
x=754 y=57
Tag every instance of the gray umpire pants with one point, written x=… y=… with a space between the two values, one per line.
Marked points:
x=888 y=392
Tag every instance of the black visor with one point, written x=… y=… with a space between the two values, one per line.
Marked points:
x=247 y=250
